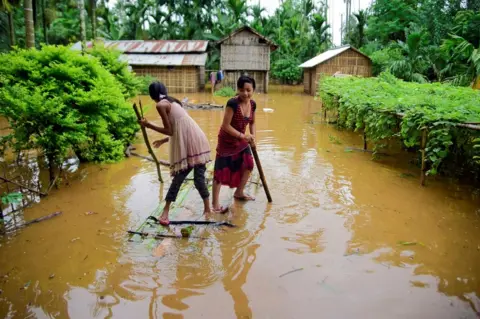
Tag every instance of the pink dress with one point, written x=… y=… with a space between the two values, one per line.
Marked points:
x=189 y=146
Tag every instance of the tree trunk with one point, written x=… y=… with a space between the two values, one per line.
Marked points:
x=93 y=7
x=83 y=31
x=11 y=27
x=29 y=25
x=45 y=26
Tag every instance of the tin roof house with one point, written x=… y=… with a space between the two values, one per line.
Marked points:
x=344 y=60
x=179 y=64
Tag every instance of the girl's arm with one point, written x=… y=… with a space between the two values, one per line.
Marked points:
x=167 y=127
x=227 y=127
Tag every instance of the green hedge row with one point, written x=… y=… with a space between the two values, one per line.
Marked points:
x=374 y=104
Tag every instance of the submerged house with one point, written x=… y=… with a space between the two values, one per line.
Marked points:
x=179 y=64
x=344 y=60
x=245 y=51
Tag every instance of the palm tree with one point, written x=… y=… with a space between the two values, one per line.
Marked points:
x=361 y=17
x=6 y=5
x=414 y=63
x=29 y=24
x=238 y=9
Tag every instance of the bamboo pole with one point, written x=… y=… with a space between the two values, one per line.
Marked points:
x=260 y=171
x=423 y=146
x=147 y=142
x=22 y=186
x=364 y=140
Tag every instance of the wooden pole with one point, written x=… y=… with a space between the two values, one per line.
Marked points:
x=423 y=146
x=260 y=171
x=22 y=186
x=364 y=140
x=147 y=142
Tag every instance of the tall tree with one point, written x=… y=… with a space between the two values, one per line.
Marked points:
x=8 y=7
x=93 y=17
x=29 y=24
x=44 y=21
x=83 y=29
x=390 y=18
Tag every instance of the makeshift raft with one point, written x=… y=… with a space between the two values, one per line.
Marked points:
x=152 y=229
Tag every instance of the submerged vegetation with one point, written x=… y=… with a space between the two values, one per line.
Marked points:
x=386 y=107
x=225 y=92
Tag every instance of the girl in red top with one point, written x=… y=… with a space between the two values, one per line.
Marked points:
x=234 y=160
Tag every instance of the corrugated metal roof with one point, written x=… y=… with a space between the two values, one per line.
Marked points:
x=327 y=55
x=165 y=59
x=154 y=46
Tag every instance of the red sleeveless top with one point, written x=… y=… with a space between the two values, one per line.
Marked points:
x=229 y=145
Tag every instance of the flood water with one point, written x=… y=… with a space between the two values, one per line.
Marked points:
x=345 y=237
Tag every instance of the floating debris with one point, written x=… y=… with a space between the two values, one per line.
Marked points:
x=290 y=272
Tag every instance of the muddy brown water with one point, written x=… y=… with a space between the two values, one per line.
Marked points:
x=346 y=237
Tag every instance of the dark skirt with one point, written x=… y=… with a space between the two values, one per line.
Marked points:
x=229 y=169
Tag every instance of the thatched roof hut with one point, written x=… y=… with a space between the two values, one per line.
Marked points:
x=245 y=51
x=179 y=64
x=344 y=60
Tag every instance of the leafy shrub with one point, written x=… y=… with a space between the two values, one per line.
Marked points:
x=225 y=92
x=383 y=59
x=57 y=100
x=374 y=103
x=144 y=82
x=287 y=70
x=110 y=61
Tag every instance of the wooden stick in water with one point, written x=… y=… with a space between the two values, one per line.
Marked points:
x=147 y=142
x=260 y=171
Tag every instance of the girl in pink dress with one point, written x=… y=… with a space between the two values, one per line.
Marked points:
x=189 y=147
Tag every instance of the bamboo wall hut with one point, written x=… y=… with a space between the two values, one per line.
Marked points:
x=245 y=51
x=344 y=60
x=179 y=64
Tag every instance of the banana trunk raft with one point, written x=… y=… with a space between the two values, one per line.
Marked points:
x=150 y=232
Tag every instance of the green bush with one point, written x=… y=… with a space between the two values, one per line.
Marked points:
x=58 y=101
x=144 y=82
x=225 y=92
x=383 y=59
x=110 y=61
x=374 y=103
x=287 y=70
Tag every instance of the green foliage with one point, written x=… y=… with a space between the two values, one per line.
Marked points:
x=57 y=101
x=119 y=69
x=413 y=63
x=225 y=92
x=462 y=50
x=372 y=104
x=144 y=82
x=383 y=59
x=390 y=18
x=287 y=69
x=11 y=198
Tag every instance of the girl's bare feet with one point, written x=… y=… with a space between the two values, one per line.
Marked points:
x=164 y=221
x=220 y=209
x=243 y=197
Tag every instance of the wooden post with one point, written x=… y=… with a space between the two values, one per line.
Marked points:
x=423 y=146
x=364 y=139
x=147 y=142
x=260 y=171
x=325 y=114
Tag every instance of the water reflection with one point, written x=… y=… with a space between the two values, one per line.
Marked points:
x=354 y=231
